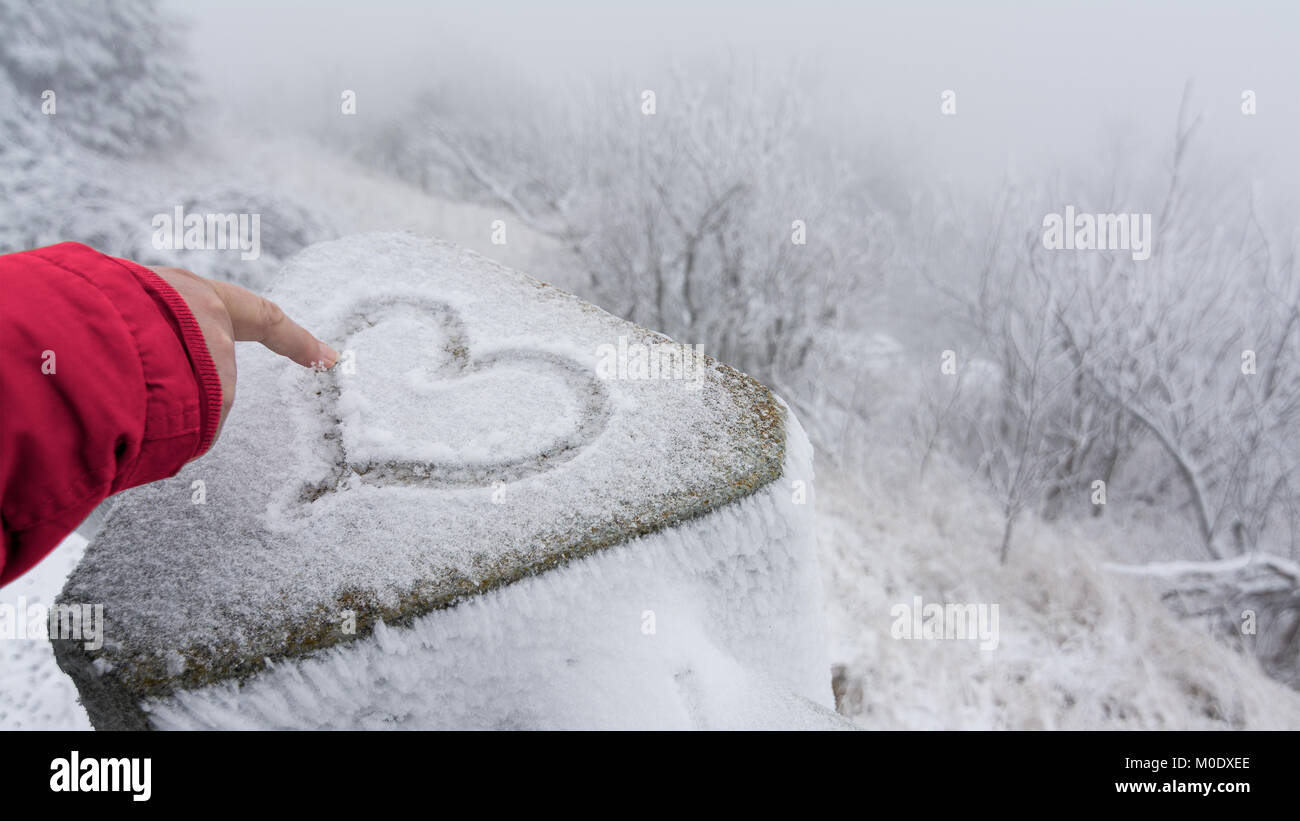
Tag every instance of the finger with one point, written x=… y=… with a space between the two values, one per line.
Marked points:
x=257 y=319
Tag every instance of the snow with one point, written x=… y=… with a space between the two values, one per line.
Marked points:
x=1229 y=566
x=384 y=489
x=884 y=536
x=34 y=692
x=439 y=407
x=1080 y=646
x=737 y=643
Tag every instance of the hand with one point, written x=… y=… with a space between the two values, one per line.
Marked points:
x=228 y=314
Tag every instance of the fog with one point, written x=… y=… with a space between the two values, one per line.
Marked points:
x=1039 y=86
x=1001 y=412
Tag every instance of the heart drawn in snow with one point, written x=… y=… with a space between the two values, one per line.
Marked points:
x=417 y=408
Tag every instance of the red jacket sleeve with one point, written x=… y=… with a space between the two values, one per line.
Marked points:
x=105 y=384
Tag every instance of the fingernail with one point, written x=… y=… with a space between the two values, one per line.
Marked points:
x=328 y=355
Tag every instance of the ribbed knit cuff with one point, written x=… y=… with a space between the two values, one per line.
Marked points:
x=205 y=370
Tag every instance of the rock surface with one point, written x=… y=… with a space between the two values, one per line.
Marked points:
x=482 y=428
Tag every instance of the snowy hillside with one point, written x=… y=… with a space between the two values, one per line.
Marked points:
x=1079 y=647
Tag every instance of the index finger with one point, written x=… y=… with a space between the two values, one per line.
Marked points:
x=255 y=318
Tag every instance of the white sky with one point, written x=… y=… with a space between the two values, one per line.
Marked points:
x=1040 y=85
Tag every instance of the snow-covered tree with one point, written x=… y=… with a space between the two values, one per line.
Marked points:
x=1172 y=379
x=106 y=76
x=701 y=212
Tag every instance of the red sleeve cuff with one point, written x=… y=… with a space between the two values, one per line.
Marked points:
x=205 y=370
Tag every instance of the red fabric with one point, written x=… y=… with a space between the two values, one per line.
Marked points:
x=133 y=394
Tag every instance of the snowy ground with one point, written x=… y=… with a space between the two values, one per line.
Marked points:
x=1079 y=647
x=352 y=199
x=34 y=692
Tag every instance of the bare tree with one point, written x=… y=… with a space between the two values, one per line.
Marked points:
x=706 y=220
x=1104 y=360
x=1198 y=347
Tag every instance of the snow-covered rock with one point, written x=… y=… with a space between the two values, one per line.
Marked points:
x=487 y=515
